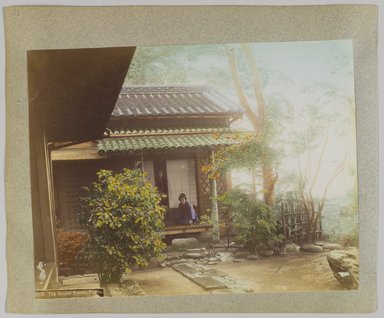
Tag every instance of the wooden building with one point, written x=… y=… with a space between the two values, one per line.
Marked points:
x=81 y=121
x=169 y=132
x=71 y=96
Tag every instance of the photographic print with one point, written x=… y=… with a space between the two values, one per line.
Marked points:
x=191 y=159
x=194 y=169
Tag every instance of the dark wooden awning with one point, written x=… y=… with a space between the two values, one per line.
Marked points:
x=72 y=92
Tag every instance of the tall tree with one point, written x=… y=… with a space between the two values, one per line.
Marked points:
x=256 y=113
x=310 y=146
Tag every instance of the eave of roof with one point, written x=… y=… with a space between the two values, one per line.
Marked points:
x=173 y=101
x=128 y=145
x=117 y=133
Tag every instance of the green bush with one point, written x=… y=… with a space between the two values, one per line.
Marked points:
x=253 y=220
x=205 y=219
x=123 y=216
x=345 y=239
x=351 y=239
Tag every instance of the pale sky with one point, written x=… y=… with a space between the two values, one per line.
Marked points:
x=304 y=65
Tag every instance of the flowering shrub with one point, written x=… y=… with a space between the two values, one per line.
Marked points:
x=123 y=215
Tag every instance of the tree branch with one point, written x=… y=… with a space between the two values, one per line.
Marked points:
x=256 y=81
x=319 y=163
x=240 y=92
x=301 y=189
x=336 y=172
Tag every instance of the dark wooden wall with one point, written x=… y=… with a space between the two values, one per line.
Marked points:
x=71 y=176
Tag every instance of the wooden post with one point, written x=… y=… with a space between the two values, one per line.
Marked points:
x=283 y=221
x=214 y=206
x=52 y=210
x=42 y=202
x=198 y=185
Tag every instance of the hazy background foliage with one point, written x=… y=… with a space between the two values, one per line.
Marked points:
x=309 y=94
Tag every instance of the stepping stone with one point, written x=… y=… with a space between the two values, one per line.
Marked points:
x=332 y=246
x=194 y=255
x=208 y=282
x=248 y=290
x=198 y=276
x=184 y=242
x=195 y=250
x=173 y=257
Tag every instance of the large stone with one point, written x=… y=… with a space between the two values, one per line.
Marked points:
x=252 y=257
x=311 y=248
x=224 y=256
x=184 y=242
x=332 y=246
x=292 y=249
x=241 y=254
x=345 y=267
x=266 y=252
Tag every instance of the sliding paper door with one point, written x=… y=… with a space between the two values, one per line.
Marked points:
x=181 y=179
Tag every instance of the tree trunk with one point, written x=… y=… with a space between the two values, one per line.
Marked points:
x=254 y=188
x=257 y=119
x=269 y=181
x=314 y=227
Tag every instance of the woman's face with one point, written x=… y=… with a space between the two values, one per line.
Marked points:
x=182 y=200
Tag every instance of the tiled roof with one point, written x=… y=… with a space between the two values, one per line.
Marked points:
x=166 y=130
x=132 y=144
x=145 y=101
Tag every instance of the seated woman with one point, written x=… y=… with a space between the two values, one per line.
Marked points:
x=187 y=214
